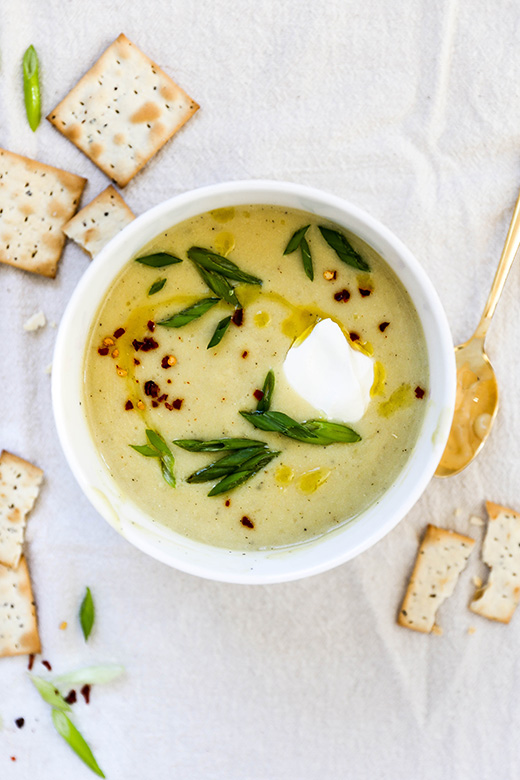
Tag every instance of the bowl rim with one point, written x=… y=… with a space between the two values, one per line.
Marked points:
x=251 y=567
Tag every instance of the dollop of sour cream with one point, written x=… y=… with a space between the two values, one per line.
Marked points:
x=329 y=374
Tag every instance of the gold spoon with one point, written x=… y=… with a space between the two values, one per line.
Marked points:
x=476 y=402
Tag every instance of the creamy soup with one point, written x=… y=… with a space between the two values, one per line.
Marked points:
x=141 y=375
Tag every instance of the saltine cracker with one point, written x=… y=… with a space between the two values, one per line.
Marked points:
x=19 y=486
x=498 y=599
x=18 y=625
x=441 y=557
x=122 y=111
x=36 y=200
x=99 y=221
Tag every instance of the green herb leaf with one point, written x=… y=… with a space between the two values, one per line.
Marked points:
x=89 y=675
x=219 y=285
x=330 y=432
x=158 y=449
x=186 y=316
x=48 y=692
x=311 y=431
x=31 y=87
x=167 y=466
x=157 y=441
x=156 y=286
x=66 y=729
x=307 y=259
x=264 y=403
x=158 y=259
x=295 y=240
x=248 y=470
x=226 y=465
x=217 y=445
x=279 y=422
x=213 y=262
x=220 y=330
x=344 y=250
x=87 y=614
x=144 y=449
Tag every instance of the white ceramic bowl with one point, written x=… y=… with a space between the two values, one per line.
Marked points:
x=301 y=560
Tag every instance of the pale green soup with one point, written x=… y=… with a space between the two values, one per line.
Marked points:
x=306 y=490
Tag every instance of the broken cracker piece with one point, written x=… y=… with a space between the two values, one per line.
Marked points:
x=440 y=559
x=122 y=111
x=36 y=200
x=18 y=626
x=99 y=221
x=36 y=321
x=501 y=552
x=19 y=486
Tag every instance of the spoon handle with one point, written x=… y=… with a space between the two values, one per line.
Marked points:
x=506 y=261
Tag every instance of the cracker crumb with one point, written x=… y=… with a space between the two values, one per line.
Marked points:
x=474 y=520
x=458 y=512
x=36 y=321
x=437 y=630
x=471 y=630
x=477 y=582
x=48 y=369
x=63 y=625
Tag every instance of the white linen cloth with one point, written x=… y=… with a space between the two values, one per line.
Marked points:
x=412 y=111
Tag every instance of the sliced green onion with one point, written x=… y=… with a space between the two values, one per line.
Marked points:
x=49 y=693
x=88 y=675
x=87 y=614
x=66 y=729
x=31 y=87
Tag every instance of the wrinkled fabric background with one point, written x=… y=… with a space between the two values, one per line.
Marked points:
x=412 y=111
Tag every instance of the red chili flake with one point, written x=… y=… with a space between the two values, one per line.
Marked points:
x=228 y=502
x=258 y=394
x=164 y=362
x=47 y=665
x=137 y=362
x=170 y=407
x=162 y=397
x=383 y=326
x=238 y=317
x=103 y=350
x=178 y=403
x=245 y=353
x=169 y=381
x=155 y=404
x=150 y=325
x=20 y=722
x=151 y=388
x=13 y=758
x=85 y=692
x=31 y=661
x=145 y=345
x=342 y=295
x=71 y=697
x=247 y=522
x=363 y=292
x=148 y=344
x=354 y=336
x=419 y=392
x=118 y=333
x=129 y=405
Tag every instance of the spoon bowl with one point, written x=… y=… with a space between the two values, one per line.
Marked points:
x=476 y=406
x=476 y=402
